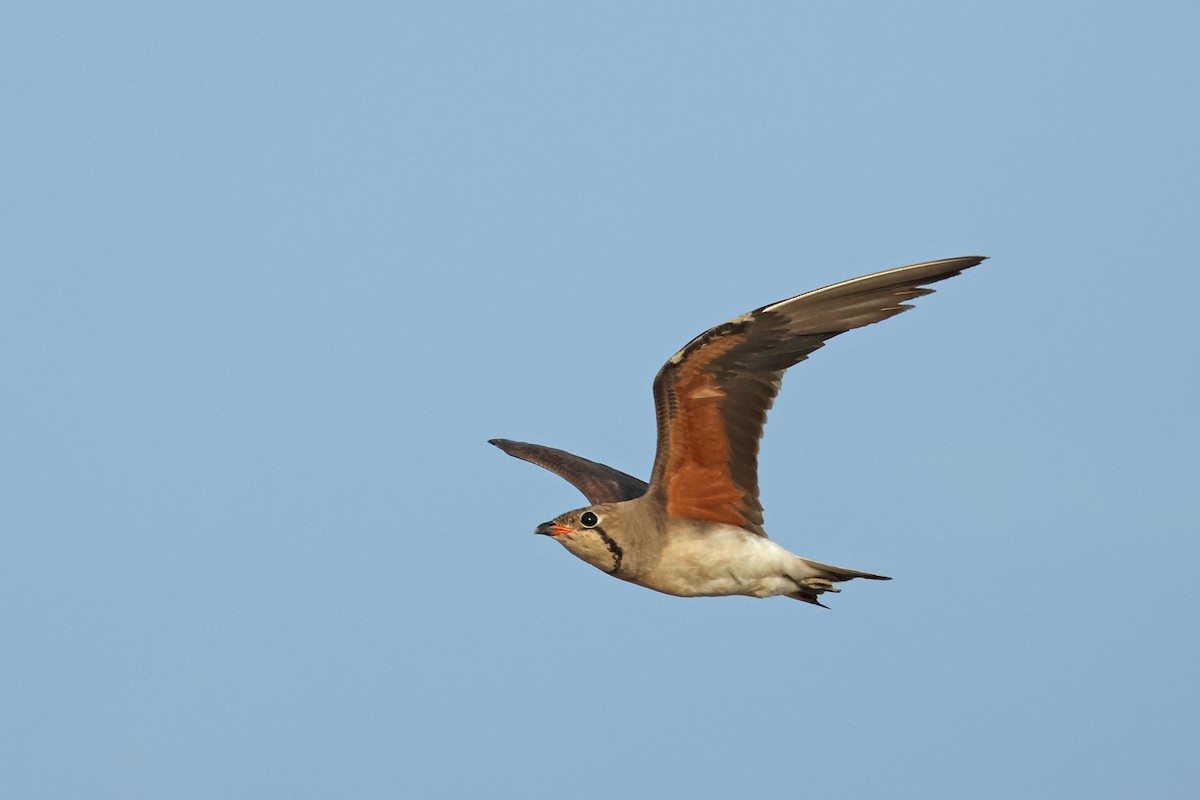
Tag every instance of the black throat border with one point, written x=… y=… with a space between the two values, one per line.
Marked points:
x=613 y=547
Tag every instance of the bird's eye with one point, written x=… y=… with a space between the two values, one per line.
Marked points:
x=588 y=519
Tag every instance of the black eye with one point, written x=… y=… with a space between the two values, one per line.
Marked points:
x=588 y=519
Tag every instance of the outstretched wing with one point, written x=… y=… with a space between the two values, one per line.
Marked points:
x=599 y=483
x=712 y=396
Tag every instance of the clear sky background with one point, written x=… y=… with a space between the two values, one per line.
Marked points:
x=273 y=273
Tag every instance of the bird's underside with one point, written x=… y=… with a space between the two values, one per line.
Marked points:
x=696 y=528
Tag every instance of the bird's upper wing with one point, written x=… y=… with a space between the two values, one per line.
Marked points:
x=712 y=396
x=599 y=483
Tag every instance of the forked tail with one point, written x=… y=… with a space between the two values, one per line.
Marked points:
x=810 y=588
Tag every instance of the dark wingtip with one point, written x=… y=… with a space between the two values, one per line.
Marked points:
x=598 y=482
x=971 y=261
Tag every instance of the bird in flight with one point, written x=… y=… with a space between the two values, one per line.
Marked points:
x=696 y=530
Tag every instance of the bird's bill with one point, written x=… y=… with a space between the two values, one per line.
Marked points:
x=550 y=529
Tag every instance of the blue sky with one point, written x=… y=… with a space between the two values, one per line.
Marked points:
x=274 y=273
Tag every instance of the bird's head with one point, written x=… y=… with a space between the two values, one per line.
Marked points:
x=588 y=534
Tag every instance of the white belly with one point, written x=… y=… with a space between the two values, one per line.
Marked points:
x=724 y=560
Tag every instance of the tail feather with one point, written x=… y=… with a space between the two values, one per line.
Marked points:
x=841 y=573
x=810 y=588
